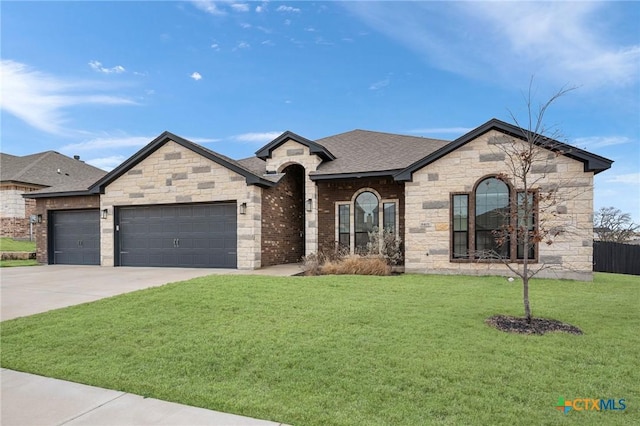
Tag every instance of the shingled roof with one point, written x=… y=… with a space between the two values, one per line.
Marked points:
x=367 y=153
x=46 y=169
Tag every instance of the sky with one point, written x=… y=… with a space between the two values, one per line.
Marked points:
x=103 y=79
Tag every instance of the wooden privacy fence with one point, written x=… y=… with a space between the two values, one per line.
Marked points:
x=616 y=257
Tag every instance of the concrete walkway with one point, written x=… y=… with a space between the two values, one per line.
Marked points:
x=34 y=289
x=27 y=399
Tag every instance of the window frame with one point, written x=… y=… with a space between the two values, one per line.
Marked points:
x=471 y=226
x=351 y=204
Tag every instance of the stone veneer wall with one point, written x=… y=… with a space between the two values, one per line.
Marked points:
x=15 y=211
x=330 y=192
x=283 y=219
x=292 y=152
x=427 y=234
x=44 y=205
x=175 y=174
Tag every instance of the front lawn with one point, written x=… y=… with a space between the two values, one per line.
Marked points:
x=407 y=350
x=9 y=244
x=10 y=263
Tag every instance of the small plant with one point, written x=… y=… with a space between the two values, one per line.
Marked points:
x=383 y=251
x=388 y=245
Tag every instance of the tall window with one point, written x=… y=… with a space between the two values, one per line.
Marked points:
x=492 y=216
x=460 y=226
x=344 y=229
x=483 y=224
x=366 y=217
x=389 y=217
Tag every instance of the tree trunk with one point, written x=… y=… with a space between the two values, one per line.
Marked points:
x=525 y=297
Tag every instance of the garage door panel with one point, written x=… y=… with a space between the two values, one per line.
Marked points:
x=197 y=235
x=75 y=237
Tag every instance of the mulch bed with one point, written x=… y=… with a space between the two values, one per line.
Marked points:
x=538 y=325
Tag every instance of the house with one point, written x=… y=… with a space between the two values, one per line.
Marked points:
x=175 y=203
x=22 y=175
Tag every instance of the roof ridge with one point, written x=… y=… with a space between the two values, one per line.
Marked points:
x=385 y=133
x=42 y=155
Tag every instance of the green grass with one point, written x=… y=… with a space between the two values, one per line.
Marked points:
x=329 y=350
x=8 y=244
x=11 y=263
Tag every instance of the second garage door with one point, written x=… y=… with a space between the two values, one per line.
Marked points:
x=75 y=237
x=192 y=235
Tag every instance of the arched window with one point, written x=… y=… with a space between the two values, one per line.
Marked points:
x=492 y=217
x=365 y=217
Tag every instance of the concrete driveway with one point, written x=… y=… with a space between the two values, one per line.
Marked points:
x=31 y=290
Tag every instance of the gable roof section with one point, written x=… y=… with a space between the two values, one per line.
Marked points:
x=314 y=147
x=46 y=169
x=592 y=162
x=364 y=153
x=250 y=177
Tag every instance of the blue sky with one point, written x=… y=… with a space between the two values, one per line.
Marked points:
x=102 y=79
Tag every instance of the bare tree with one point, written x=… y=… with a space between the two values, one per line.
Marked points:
x=529 y=216
x=610 y=224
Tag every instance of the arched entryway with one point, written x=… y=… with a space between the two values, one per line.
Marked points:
x=283 y=218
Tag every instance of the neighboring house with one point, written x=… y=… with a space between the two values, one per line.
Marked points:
x=22 y=175
x=175 y=203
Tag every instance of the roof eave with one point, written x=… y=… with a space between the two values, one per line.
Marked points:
x=59 y=194
x=145 y=152
x=353 y=175
x=592 y=162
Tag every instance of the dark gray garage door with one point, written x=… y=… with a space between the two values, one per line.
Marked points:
x=75 y=237
x=192 y=235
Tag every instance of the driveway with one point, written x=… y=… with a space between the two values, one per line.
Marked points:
x=31 y=290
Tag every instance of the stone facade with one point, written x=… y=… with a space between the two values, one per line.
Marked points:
x=45 y=205
x=175 y=174
x=344 y=190
x=428 y=234
x=283 y=219
x=15 y=211
x=292 y=152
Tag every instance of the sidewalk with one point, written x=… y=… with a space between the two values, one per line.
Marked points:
x=28 y=400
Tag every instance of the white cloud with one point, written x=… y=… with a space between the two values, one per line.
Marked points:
x=209 y=7
x=40 y=99
x=107 y=163
x=257 y=137
x=196 y=76
x=97 y=66
x=629 y=178
x=245 y=25
x=600 y=141
x=268 y=43
x=240 y=7
x=379 y=84
x=243 y=45
x=108 y=142
x=288 y=9
x=503 y=41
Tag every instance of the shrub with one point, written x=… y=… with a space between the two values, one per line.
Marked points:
x=357 y=265
x=389 y=246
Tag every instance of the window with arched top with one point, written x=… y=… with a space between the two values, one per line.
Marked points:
x=367 y=212
x=492 y=217
x=366 y=217
x=493 y=221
